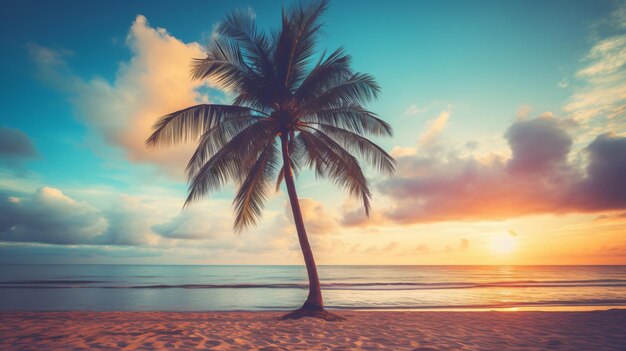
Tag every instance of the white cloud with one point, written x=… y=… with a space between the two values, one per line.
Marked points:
x=155 y=81
x=435 y=127
x=523 y=111
x=428 y=138
x=605 y=57
x=129 y=223
x=195 y=223
x=599 y=99
x=401 y=151
x=49 y=216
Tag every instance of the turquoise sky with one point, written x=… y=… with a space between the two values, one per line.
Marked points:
x=484 y=64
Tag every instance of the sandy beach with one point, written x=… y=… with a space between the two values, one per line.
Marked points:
x=423 y=331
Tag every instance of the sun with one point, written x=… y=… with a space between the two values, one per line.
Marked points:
x=504 y=244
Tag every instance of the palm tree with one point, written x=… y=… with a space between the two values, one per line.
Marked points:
x=285 y=104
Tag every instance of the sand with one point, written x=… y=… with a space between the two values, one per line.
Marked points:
x=423 y=331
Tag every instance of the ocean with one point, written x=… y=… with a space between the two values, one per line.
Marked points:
x=252 y=288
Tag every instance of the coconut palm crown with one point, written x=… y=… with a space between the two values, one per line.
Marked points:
x=290 y=112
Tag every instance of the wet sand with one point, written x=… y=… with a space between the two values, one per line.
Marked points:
x=372 y=330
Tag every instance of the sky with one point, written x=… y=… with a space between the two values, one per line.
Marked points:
x=509 y=131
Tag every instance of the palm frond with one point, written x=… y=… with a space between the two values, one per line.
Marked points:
x=189 y=123
x=254 y=191
x=355 y=89
x=241 y=26
x=352 y=117
x=215 y=138
x=326 y=71
x=338 y=165
x=225 y=64
x=373 y=153
x=310 y=156
x=231 y=162
x=297 y=40
x=258 y=98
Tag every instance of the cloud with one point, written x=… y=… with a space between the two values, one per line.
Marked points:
x=355 y=217
x=604 y=187
x=606 y=57
x=428 y=139
x=538 y=145
x=435 y=127
x=523 y=111
x=153 y=82
x=604 y=91
x=49 y=216
x=193 y=223
x=129 y=223
x=536 y=179
x=599 y=98
x=400 y=151
x=15 y=145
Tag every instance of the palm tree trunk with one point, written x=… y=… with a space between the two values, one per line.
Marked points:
x=314 y=300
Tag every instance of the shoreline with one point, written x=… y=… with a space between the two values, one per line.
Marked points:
x=363 y=330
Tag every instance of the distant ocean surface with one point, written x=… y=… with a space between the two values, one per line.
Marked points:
x=225 y=288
